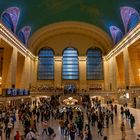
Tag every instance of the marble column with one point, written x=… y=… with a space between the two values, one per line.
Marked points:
x=27 y=73
x=112 y=74
x=20 y=71
x=126 y=67
x=9 y=67
x=58 y=71
x=106 y=75
x=82 y=72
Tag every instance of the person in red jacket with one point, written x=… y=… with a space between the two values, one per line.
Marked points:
x=17 y=136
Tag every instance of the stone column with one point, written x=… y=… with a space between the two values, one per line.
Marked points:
x=27 y=72
x=34 y=71
x=24 y=73
x=127 y=73
x=9 y=67
x=20 y=72
x=106 y=75
x=126 y=67
x=58 y=71
x=112 y=74
x=82 y=72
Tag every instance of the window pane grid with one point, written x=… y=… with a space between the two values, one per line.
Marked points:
x=7 y=21
x=46 y=64
x=94 y=65
x=70 y=69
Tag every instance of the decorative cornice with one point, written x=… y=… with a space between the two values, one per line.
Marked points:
x=12 y=39
x=128 y=40
x=58 y=58
x=55 y=29
x=82 y=58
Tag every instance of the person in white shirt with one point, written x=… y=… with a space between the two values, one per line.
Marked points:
x=30 y=136
x=3 y=116
x=8 y=130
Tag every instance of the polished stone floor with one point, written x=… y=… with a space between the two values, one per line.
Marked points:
x=113 y=132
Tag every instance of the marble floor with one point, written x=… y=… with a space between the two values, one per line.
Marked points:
x=113 y=132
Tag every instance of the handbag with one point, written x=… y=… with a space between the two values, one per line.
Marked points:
x=85 y=138
x=53 y=135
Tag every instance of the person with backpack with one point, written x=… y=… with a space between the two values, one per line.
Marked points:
x=30 y=135
x=44 y=125
x=132 y=121
x=50 y=132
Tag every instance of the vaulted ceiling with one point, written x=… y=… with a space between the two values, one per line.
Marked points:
x=39 y=13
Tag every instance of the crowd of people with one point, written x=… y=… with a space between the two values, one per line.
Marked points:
x=7 y=121
x=72 y=123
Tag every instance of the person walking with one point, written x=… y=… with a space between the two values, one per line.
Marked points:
x=123 y=131
x=72 y=131
x=87 y=134
x=105 y=138
x=44 y=126
x=107 y=120
x=8 y=130
x=30 y=135
x=62 y=126
x=38 y=115
x=17 y=136
x=132 y=121
x=100 y=127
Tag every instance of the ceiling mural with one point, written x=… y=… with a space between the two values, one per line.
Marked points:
x=101 y=13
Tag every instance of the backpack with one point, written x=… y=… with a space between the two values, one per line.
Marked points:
x=133 y=119
x=50 y=130
x=122 y=128
x=30 y=137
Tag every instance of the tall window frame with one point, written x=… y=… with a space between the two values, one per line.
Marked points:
x=46 y=64
x=94 y=64
x=70 y=64
x=133 y=21
x=6 y=19
x=22 y=38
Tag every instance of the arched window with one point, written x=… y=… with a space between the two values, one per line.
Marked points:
x=130 y=17
x=46 y=64
x=134 y=19
x=10 y=17
x=94 y=64
x=70 y=70
x=24 y=34
x=116 y=34
x=6 y=19
x=21 y=37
